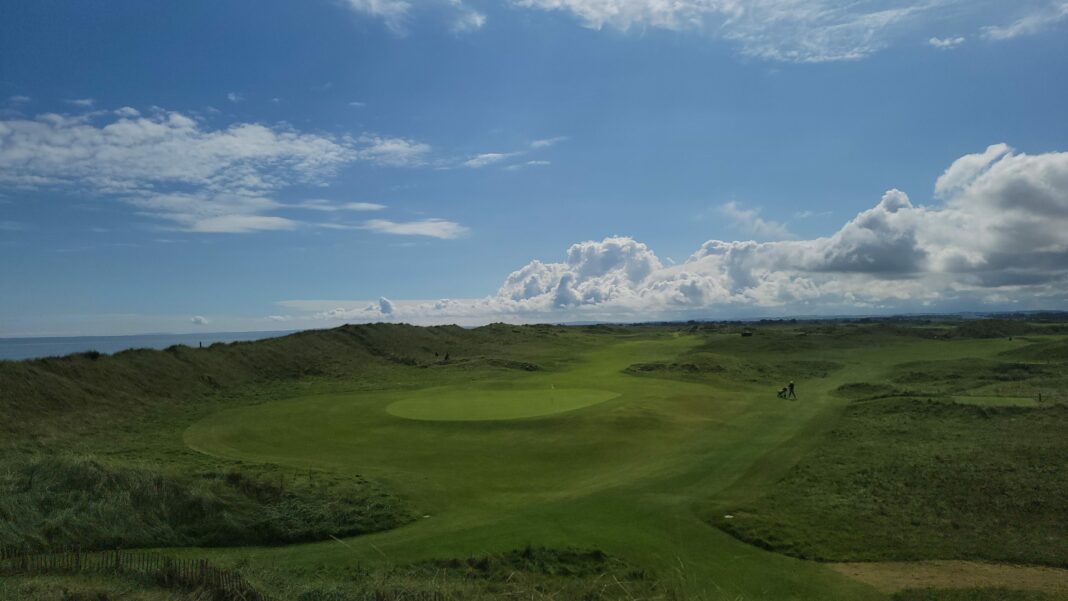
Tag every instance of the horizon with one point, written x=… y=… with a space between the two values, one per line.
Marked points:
x=277 y=166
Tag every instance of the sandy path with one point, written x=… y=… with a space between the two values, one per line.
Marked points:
x=893 y=576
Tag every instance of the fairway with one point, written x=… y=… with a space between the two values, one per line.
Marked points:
x=480 y=405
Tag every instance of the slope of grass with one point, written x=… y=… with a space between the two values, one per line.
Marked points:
x=60 y=501
x=902 y=479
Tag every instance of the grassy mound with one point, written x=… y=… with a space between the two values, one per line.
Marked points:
x=77 y=501
x=903 y=480
x=63 y=397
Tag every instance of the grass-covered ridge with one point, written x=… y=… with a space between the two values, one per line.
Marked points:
x=65 y=502
x=903 y=479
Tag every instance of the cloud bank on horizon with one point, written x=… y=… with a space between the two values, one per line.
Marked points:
x=999 y=236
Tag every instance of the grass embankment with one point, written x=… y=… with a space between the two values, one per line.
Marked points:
x=916 y=470
x=91 y=452
x=65 y=502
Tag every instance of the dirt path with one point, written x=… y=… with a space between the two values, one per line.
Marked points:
x=893 y=576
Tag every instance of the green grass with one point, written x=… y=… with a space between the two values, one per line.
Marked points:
x=87 y=588
x=901 y=479
x=681 y=426
x=64 y=502
x=466 y=404
x=970 y=594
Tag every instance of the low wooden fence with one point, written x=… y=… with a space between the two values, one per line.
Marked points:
x=169 y=572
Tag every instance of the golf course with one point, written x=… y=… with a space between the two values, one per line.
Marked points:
x=920 y=460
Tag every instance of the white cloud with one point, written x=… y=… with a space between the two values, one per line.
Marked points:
x=81 y=102
x=198 y=320
x=750 y=221
x=802 y=30
x=946 y=43
x=393 y=152
x=357 y=104
x=1031 y=23
x=128 y=112
x=396 y=13
x=547 y=142
x=997 y=238
x=331 y=206
x=433 y=228
x=171 y=167
x=467 y=19
x=489 y=158
x=385 y=306
x=392 y=12
x=234 y=97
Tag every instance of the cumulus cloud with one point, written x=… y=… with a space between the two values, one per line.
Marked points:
x=750 y=221
x=169 y=166
x=81 y=102
x=997 y=236
x=234 y=97
x=198 y=320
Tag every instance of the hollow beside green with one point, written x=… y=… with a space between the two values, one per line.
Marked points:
x=485 y=405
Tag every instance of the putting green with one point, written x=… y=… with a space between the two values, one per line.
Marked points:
x=486 y=405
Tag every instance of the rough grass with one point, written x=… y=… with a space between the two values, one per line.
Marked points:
x=61 y=501
x=970 y=594
x=901 y=479
x=535 y=573
x=88 y=588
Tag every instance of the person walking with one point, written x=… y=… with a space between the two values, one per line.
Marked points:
x=791 y=394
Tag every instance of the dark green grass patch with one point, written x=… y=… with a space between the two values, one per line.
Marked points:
x=900 y=479
x=82 y=502
x=88 y=588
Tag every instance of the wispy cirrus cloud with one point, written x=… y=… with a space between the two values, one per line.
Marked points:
x=396 y=14
x=947 y=43
x=432 y=228
x=804 y=31
x=175 y=168
x=488 y=158
x=1030 y=23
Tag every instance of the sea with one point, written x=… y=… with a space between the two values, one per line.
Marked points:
x=14 y=349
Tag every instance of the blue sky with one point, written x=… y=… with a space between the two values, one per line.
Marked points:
x=276 y=164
